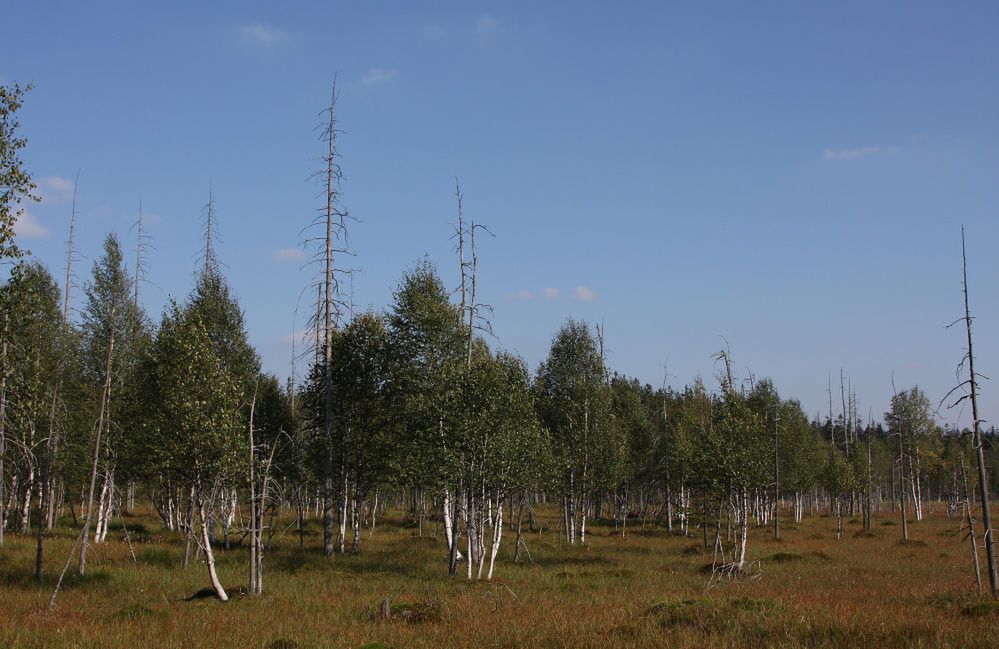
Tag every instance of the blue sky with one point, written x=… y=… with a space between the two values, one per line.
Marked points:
x=789 y=175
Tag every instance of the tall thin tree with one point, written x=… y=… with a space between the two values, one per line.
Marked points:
x=976 y=433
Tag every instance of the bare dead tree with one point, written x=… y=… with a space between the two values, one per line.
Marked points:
x=601 y=334
x=971 y=394
x=971 y=526
x=725 y=356
x=333 y=243
x=139 y=255
x=332 y=177
x=211 y=233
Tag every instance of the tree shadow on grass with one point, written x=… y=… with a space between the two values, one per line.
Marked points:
x=406 y=566
x=578 y=560
x=24 y=579
x=161 y=557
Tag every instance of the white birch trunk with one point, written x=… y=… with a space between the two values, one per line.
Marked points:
x=101 y=512
x=209 y=554
x=497 y=535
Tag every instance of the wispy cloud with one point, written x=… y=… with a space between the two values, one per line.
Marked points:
x=288 y=254
x=522 y=294
x=56 y=189
x=584 y=294
x=262 y=35
x=857 y=152
x=151 y=217
x=379 y=75
x=27 y=226
x=485 y=24
x=550 y=293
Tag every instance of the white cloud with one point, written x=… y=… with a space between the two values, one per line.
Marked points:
x=379 y=75
x=857 y=152
x=58 y=183
x=288 y=254
x=484 y=24
x=27 y=226
x=550 y=293
x=151 y=217
x=298 y=337
x=261 y=35
x=584 y=294
x=522 y=294
x=56 y=189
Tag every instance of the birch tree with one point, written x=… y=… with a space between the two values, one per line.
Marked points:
x=574 y=405
x=16 y=185
x=427 y=340
x=365 y=441
x=109 y=333
x=30 y=332
x=195 y=419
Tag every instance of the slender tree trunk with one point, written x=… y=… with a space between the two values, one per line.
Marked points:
x=983 y=484
x=971 y=527
x=207 y=546
x=776 y=479
x=253 y=501
x=3 y=420
x=328 y=330
x=901 y=485
x=497 y=535
x=744 y=530
x=101 y=422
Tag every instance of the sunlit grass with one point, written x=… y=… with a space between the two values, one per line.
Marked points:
x=643 y=590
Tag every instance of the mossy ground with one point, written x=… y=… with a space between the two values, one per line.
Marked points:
x=643 y=590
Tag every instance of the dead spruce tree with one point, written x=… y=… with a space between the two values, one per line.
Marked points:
x=970 y=386
x=332 y=244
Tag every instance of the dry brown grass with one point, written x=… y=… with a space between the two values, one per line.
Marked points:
x=643 y=590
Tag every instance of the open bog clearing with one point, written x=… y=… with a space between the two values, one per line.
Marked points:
x=389 y=325
x=646 y=589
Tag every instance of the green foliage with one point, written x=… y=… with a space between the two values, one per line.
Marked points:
x=574 y=404
x=426 y=338
x=16 y=185
x=500 y=443
x=364 y=432
x=219 y=312
x=194 y=403
x=30 y=302
x=109 y=312
x=838 y=475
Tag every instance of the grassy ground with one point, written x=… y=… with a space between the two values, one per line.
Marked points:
x=643 y=590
